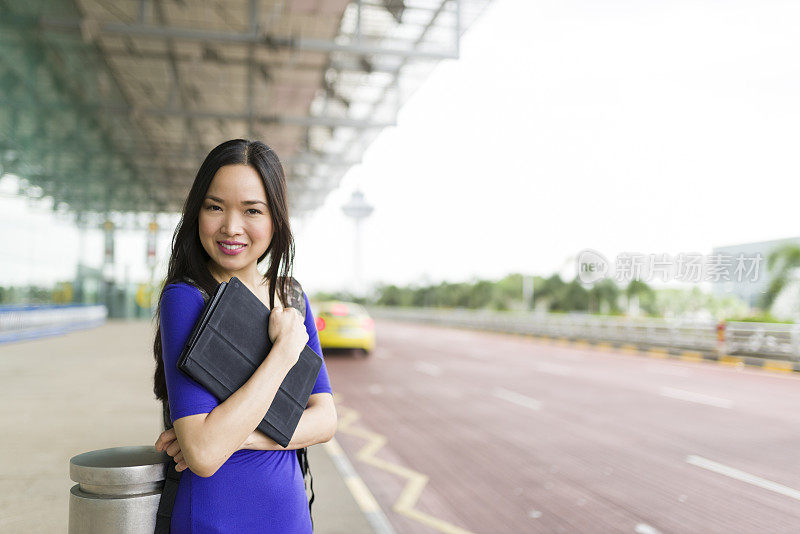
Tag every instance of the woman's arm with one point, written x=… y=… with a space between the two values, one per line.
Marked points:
x=317 y=425
x=206 y=440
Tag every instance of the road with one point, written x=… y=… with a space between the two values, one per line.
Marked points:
x=483 y=432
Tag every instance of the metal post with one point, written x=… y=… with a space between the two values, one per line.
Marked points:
x=527 y=292
x=358 y=21
x=251 y=57
x=144 y=11
x=458 y=27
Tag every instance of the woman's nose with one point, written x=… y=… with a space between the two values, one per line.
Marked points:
x=232 y=224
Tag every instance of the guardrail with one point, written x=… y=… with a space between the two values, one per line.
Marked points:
x=29 y=322
x=772 y=340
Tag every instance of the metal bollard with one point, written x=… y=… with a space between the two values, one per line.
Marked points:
x=117 y=490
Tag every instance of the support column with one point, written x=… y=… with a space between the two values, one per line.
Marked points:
x=107 y=272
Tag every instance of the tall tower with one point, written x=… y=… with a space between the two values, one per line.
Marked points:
x=358 y=209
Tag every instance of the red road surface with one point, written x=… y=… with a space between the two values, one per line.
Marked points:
x=521 y=435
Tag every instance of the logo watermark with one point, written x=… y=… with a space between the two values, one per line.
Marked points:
x=690 y=267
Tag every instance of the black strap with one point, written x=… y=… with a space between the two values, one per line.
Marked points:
x=302 y=457
x=167 y=501
x=170 y=489
x=173 y=477
x=297 y=300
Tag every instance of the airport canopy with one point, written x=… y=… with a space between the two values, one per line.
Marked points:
x=111 y=106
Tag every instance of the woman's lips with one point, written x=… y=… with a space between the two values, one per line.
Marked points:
x=230 y=252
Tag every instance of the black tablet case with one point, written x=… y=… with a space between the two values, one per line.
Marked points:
x=230 y=340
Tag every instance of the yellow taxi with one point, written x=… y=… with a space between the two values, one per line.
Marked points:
x=344 y=325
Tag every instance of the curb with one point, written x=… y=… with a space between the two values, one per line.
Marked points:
x=766 y=364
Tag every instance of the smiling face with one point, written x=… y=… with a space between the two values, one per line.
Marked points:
x=234 y=223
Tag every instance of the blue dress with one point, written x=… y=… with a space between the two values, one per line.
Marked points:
x=253 y=491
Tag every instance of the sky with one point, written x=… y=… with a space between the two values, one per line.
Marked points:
x=619 y=126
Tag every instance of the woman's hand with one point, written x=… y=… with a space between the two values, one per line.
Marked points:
x=287 y=331
x=168 y=442
x=258 y=441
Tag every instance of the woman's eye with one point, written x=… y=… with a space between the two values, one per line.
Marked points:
x=212 y=207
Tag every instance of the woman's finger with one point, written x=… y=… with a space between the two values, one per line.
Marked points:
x=181 y=466
x=165 y=438
x=162 y=445
x=178 y=458
x=173 y=448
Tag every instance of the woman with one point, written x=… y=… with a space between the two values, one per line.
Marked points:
x=235 y=478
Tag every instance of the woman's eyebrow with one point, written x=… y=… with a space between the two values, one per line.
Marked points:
x=245 y=202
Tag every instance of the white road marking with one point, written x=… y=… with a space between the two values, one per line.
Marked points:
x=571 y=356
x=478 y=354
x=644 y=528
x=452 y=394
x=553 y=369
x=705 y=463
x=700 y=398
x=668 y=370
x=358 y=489
x=534 y=514
x=517 y=398
x=428 y=368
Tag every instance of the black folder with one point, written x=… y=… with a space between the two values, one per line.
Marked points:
x=230 y=340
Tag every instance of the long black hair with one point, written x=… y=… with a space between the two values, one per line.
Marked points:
x=188 y=257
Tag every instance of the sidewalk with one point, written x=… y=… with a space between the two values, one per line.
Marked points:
x=92 y=389
x=334 y=510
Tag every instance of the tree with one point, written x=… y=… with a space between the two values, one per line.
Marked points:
x=549 y=290
x=604 y=297
x=391 y=295
x=641 y=295
x=781 y=262
x=575 y=297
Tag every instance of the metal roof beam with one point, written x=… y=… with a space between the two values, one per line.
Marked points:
x=395 y=81
x=120 y=88
x=39 y=53
x=70 y=147
x=272 y=42
x=396 y=73
x=335 y=122
x=331 y=122
x=344 y=64
x=177 y=86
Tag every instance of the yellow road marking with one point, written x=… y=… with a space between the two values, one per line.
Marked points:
x=687 y=355
x=414 y=486
x=733 y=361
x=778 y=365
x=691 y=356
x=357 y=488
